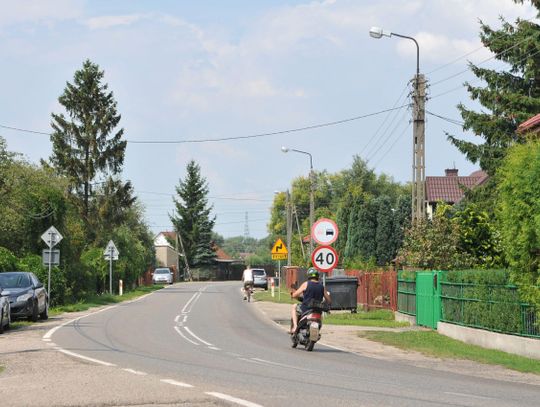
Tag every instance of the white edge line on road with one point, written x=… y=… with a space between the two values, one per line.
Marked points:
x=232 y=399
x=76 y=355
x=213 y=348
x=196 y=337
x=175 y=383
x=468 y=395
x=135 y=372
x=177 y=318
x=185 y=337
x=50 y=332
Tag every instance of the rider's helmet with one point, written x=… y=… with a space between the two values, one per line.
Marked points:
x=312 y=273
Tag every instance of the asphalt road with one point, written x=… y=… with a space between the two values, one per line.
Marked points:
x=203 y=335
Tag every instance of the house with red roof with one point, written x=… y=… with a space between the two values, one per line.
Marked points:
x=530 y=126
x=450 y=188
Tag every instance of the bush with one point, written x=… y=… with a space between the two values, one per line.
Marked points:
x=8 y=261
x=33 y=263
x=482 y=298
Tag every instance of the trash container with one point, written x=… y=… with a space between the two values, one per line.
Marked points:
x=343 y=293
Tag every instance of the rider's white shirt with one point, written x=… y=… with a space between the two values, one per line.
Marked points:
x=247 y=276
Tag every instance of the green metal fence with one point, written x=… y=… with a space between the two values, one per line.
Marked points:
x=492 y=307
x=406 y=296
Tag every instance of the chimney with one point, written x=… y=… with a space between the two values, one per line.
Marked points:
x=451 y=172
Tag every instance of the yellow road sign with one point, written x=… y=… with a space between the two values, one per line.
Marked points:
x=279 y=257
x=279 y=248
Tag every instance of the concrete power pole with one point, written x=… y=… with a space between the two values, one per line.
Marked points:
x=288 y=205
x=419 y=152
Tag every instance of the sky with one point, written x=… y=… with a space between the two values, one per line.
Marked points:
x=191 y=71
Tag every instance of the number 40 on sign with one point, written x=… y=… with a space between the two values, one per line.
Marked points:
x=324 y=258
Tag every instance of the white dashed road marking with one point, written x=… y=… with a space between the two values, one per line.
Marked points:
x=135 y=372
x=76 y=355
x=175 y=383
x=233 y=399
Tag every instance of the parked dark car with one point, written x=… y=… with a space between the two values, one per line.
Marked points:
x=5 y=315
x=27 y=296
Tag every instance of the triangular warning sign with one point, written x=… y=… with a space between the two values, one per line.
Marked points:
x=279 y=248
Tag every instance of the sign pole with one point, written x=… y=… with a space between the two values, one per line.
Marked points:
x=52 y=239
x=110 y=269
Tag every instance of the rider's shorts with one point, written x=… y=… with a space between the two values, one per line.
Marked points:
x=248 y=284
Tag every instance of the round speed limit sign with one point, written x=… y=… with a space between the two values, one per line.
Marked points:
x=324 y=258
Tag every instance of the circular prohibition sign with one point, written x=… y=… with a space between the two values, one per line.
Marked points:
x=324 y=258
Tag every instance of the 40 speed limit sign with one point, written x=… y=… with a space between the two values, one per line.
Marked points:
x=324 y=258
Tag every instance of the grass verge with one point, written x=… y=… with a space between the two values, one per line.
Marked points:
x=431 y=343
x=267 y=296
x=379 y=318
x=99 y=300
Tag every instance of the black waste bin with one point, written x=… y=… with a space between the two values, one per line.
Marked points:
x=343 y=293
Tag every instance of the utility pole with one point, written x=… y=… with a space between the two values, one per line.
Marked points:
x=419 y=153
x=289 y=225
x=188 y=272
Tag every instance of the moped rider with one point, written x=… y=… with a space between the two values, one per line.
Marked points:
x=312 y=289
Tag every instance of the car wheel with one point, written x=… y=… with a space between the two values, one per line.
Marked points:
x=266 y=287
x=35 y=312
x=1 y=322
x=45 y=314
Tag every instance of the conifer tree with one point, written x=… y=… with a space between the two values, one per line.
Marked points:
x=86 y=143
x=192 y=221
x=510 y=97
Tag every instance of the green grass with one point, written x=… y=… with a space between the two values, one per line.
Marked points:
x=2 y=368
x=99 y=300
x=267 y=296
x=19 y=324
x=379 y=318
x=430 y=343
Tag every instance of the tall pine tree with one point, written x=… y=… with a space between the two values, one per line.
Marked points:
x=510 y=97
x=86 y=144
x=192 y=221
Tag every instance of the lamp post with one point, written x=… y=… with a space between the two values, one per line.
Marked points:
x=419 y=155
x=311 y=192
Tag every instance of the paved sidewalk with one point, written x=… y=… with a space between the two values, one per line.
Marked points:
x=346 y=338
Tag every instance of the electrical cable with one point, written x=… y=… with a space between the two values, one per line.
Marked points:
x=274 y=133
x=393 y=144
x=447 y=119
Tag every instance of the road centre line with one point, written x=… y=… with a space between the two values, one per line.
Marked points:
x=281 y=365
x=196 y=337
x=232 y=399
x=176 y=383
x=184 y=336
x=135 y=372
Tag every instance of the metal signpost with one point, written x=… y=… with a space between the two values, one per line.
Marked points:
x=279 y=252
x=111 y=253
x=51 y=237
x=324 y=258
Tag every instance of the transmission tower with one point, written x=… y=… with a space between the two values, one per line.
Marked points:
x=246 y=230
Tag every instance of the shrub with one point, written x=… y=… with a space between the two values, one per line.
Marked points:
x=33 y=263
x=482 y=298
x=8 y=261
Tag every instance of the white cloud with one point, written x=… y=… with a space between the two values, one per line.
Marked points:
x=103 y=22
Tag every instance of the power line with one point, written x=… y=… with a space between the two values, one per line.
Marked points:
x=482 y=62
x=312 y=127
x=374 y=152
x=530 y=55
x=447 y=119
x=393 y=144
x=398 y=100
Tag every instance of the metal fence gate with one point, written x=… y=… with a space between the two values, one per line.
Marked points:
x=428 y=298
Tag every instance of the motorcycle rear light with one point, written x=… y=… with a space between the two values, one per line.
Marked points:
x=314 y=316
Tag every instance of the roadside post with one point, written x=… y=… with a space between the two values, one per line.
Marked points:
x=120 y=288
x=51 y=237
x=111 y=253
x=324 y=258
x=279 y=252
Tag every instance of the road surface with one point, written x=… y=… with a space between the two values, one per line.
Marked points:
x=203 y=337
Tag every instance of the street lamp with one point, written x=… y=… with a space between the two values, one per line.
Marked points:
x=311 y=192
x=419 y=156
